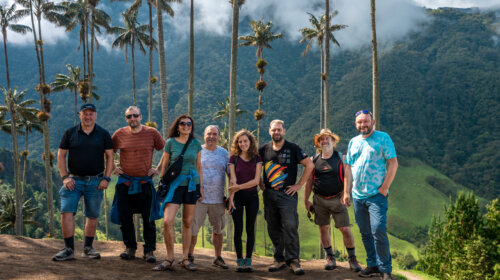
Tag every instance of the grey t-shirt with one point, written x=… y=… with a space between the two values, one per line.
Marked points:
x=214 y=165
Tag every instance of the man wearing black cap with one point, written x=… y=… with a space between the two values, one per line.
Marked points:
x=86 y=144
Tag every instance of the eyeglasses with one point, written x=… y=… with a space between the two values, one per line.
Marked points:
x=364 y=112
x=130 y=116
x=186 y=123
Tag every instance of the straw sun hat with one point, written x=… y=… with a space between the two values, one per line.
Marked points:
x=325 y=131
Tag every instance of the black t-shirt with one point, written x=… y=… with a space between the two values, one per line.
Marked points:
x=86 y=152
x=328 y=175
x=280 y=167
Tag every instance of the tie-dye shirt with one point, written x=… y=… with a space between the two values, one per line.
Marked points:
x=214 y=165
x=368 y=160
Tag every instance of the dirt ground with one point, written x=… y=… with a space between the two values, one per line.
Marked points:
x=26 y=258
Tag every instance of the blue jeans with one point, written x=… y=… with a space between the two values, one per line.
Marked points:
x=92 y=197
x=371 y=217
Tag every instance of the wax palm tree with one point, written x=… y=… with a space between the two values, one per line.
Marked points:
x=263 y=35
x=316 y=33
x=131 y=35
x=8 y=16
x=8 y=216
x=98 y=19
x=233 y=67
x=161 y=6
x=71 y=82
x=11 y=96
x=225 y=109
x=191 y=62
x=30 y=123
x=376 y=96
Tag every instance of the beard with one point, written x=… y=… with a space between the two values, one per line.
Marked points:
x=327 y=148
x=134 y=124
x=277 y=138
x=368 y=130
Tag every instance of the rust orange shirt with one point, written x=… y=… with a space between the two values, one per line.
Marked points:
x=136 y=149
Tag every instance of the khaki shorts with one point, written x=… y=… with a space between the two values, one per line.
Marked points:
x=323 y=208
x=216 y=217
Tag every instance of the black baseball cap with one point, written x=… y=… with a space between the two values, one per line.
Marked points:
x=88 y=106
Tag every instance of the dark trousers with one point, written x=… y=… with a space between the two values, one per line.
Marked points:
x=282 y=224
x=137 y=203
x=249 y=200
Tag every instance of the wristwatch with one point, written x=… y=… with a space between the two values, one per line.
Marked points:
x=106 y=178
x=64 y=177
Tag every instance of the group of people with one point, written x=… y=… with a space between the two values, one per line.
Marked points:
x=362 y=176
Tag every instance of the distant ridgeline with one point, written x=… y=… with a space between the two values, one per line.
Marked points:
x=440 y=90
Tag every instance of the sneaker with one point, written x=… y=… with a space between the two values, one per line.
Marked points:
x=330 y=264
x=295 y=266
x=91 y=253
x=369 y=271
x=385 y=276
x=248 y=265
x=128 y=254
x=191 y=258
x=149 y=257
x=240 y=265
x=353 y=264
x=220 y=263
x=277 y=265
x=65 y=254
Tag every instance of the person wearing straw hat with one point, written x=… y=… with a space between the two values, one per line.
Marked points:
x=327 y=183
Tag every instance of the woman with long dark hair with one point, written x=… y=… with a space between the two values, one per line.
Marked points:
x=185 y=189
x=245 y=166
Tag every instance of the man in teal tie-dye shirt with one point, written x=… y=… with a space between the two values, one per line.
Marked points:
x=371 y=165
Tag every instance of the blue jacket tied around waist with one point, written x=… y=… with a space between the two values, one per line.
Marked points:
x=191 y=177
x=135 y=187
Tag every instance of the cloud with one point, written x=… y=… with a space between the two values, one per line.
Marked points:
x=433 y=4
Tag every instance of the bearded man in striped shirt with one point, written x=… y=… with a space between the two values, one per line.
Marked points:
x=135 y=189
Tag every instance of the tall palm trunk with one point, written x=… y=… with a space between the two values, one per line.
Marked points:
x=191 y=63
x=17 y=172
x=91 y=59
x=233 y=71
x=327 y=65
x=133 y=72
x=232 y=97
x=35 y=40
x=321 y=94
x=376 y=96
x=45 y=124
x=25 y=164
x=163 y=70
x=150 y=85
x=40 y=47
x=76 y=106
x=4 y=33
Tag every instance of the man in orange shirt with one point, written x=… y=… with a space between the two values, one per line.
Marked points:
x=135 y=190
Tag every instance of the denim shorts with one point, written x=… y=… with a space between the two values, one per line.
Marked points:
x=92 y=197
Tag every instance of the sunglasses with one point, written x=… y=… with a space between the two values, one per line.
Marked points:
x=130 y=116
x=364 y=112
x=186 y=123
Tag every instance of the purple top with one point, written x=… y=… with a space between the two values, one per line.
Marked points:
x=245 y=170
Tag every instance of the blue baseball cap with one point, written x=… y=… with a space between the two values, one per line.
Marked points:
x=88 y=106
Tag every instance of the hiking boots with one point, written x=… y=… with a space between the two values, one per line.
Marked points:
x=277 y=265
x=385 y=276
x=330 y=263
x=149 y=257
x=220 y=263
x=91 y=253
x=353 y=264
x=295 y=266
x=248 y=265
x=369 y=271
x=65 y=254
x=240 y=265
x=128 y=254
